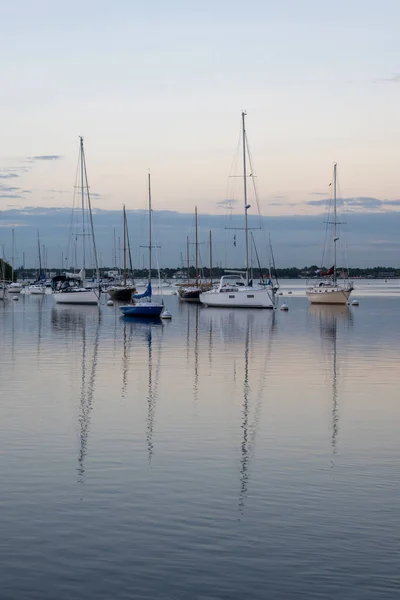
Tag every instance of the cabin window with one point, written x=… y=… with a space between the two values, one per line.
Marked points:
x=231 y=296
x=250 y=295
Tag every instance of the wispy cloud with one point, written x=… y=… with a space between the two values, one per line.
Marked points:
x=9 y=175
x=393 y=79
x=317 y=193
x=44 y=157
x=10 y=195
x=227 y=203
x=358 y=203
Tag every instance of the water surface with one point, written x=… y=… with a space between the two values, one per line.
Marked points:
x=226 y=454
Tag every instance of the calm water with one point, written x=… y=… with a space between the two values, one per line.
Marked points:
x=227 y=454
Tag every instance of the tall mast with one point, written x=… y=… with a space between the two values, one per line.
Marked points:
x=149 y=229
x=40 y=256
x=83 y=207
x=96 y=262
x=246 y=206
x=210 y=258
x=197 y=248
x=335 y=238
x=124 y=247
x=187 y=258
x=12 y=257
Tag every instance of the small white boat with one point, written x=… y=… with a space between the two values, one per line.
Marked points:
x=72 y=290
x=237 y=291
x=36 y=289
x=14 y=288
x=330 y=290
x=233 y=292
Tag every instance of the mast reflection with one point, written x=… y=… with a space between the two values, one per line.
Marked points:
x=145 y=329
x=248 y=425
x=329 y=317
x=78 y=322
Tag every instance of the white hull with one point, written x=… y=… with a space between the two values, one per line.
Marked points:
x=14 y=289
x=36 y=290
x=242 y=298
x=76 y=297
x=329 y=295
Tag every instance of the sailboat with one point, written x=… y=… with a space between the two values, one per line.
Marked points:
x=329 y=290
x=122 y=291
x=145 y=307
x=39 y=286
x=191 y=292
x=236 y=290
x=14 y=287
x=72 y=290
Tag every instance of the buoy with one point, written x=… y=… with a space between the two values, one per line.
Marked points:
x=289 y=292
x=110 y=303
x=355 y=303
x=284 y=307
x=166 y=315
x=15 y=298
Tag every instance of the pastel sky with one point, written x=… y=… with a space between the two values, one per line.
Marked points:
x=161 y=85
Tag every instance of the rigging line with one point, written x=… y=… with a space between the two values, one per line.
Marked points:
x=129 y=248
x=327 y=217
x=73 y=215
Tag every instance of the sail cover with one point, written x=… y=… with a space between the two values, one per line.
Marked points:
x=145 y=294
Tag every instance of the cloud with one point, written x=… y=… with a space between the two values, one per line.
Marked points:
x=297 y=239
x=44 y=157
x=9 y=175
x=6 y=188
x=393 y=79
x=10 y=195
x=228 y=203
x=317 y=193
x=358 y=203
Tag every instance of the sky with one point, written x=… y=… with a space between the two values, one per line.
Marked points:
x=161 y=86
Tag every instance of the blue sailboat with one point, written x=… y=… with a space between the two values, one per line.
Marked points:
x=145 y=307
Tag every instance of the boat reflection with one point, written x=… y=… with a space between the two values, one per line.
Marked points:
x=329 y=317
x=84 y=322
x=256 y=332
x=143 y=330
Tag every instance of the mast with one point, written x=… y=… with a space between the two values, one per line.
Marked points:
x=83 y=208
x=335 y=238
x=40 y=256
x=12 y=257
x=96 y=262
x=124 y=247
x=246 y=206
x=187 y=258
x=210 y=258
x=149 y=229
x=197 y=248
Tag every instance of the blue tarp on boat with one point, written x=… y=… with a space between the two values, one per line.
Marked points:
x=145 y=294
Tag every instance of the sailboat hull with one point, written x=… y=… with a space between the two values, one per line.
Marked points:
x=142 y=309
x=246 y=298
x=79 y=296
x=123 y=294
x=14 y=288
x=329 y=295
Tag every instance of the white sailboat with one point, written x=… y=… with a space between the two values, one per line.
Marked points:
x=73 y=290
x=329 y=290
x=236 y=290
